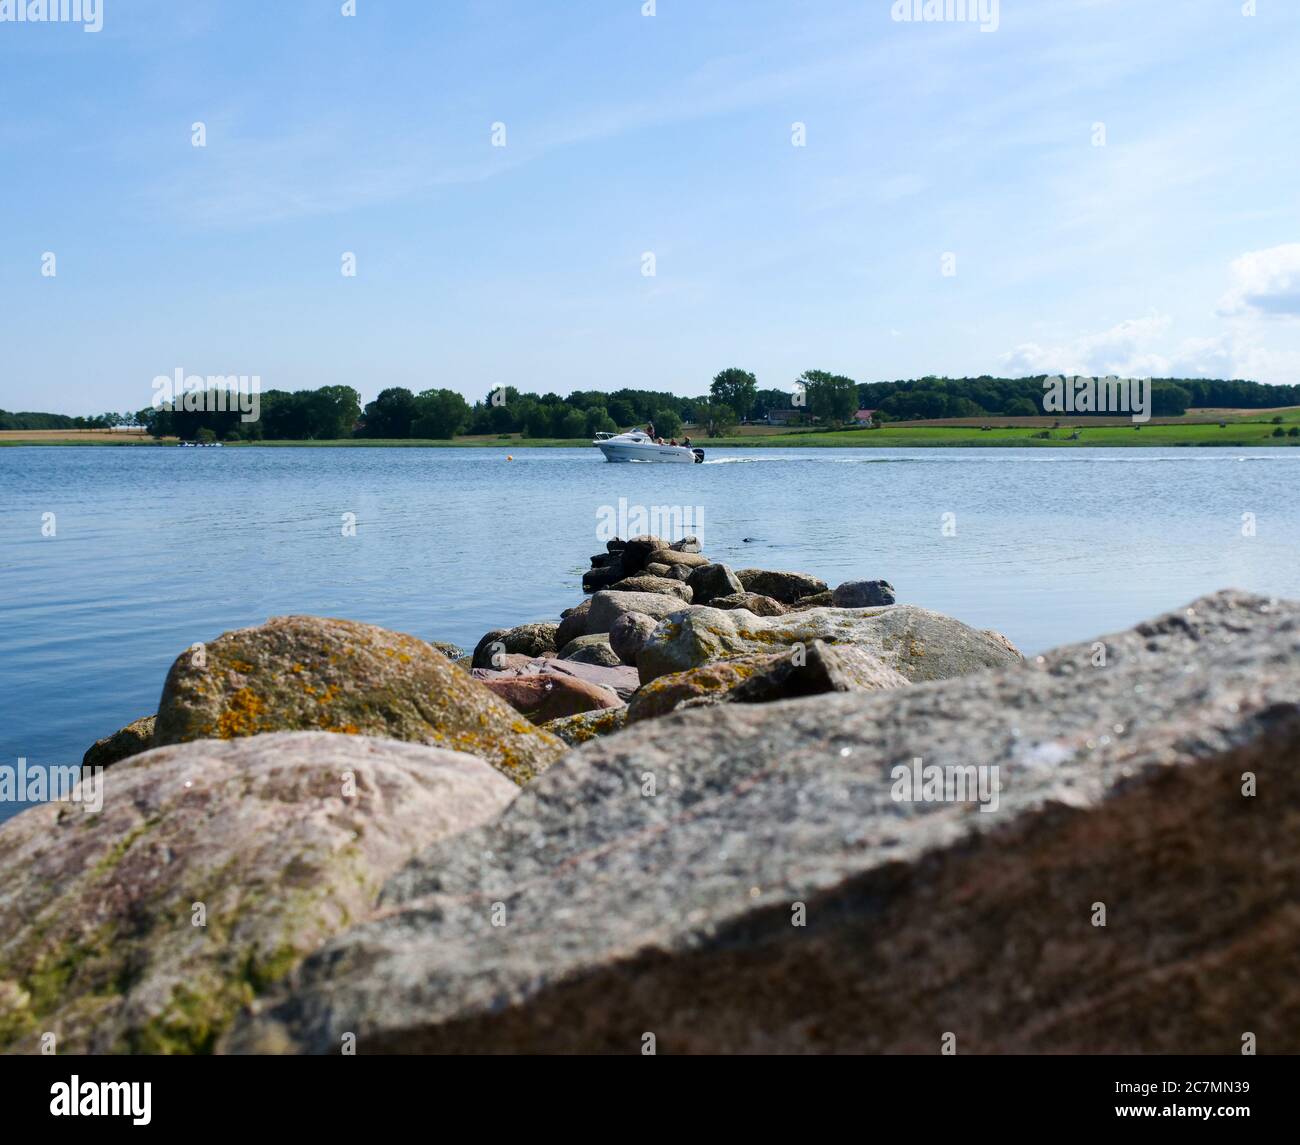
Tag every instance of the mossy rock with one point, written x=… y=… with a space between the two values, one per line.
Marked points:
x=708 y=682
x=586 y=726
x=307 y=673
x=211 y=870
x=130 y=740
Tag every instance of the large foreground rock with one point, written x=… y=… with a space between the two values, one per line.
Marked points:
x=921 y=644
x=773 y=895
x=279 y=841
x=306 y=673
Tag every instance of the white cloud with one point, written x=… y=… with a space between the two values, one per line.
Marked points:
x=1141 y=348
x=1265 y=282
x=1123 y=350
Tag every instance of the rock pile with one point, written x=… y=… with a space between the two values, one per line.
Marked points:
x=828 y=822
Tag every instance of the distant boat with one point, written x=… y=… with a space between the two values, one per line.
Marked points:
x=199 y=445
x=639 y=446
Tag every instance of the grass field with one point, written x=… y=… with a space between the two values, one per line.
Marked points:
x=1199 y=427
x=77 y=437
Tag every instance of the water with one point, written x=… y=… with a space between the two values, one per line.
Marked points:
x=159 y=548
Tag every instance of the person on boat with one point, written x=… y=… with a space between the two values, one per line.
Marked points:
x=650 y=431
x=672 y=441
x=686 y=441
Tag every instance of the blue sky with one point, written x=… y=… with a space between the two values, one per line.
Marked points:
x=1174 y=248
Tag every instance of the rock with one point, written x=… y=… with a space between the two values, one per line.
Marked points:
x=659 y=570
x=709 y=581
x=130 y=740
x=608 y=606
x=306 y=673
x=529 y=640
x=586 y=726
x=765 y=678
x=636 y=552
x=573 y=623
x=534 y=639
x=820 y=669
x=606 y=559
x=817 y=600
x=671 y=558
x=665 y=586
x=628 y=633
x=757 y=604
x=787 y=587
x=862 y=594
x=593 y=580
x=621 y=680
x=490 y=648
x=920 y=644
x=689 y=544
x=592 y=649
x=549 y=697
x=451 y=651
x=97 y=941
x=1120 y=785
x=708 y=681
x=615 y=546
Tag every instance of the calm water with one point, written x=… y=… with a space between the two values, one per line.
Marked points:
x=158 y=548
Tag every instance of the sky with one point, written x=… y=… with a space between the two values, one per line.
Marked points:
x=591 y=194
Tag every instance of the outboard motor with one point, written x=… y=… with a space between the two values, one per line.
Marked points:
x=699 y=456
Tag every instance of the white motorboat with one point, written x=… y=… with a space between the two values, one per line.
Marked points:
x=639 y=446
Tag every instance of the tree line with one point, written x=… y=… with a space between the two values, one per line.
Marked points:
x=332 y=413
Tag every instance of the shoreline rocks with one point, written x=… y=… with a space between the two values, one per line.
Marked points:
x=835 y=828
x=785 y=888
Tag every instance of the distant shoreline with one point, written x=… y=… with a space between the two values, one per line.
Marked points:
x=1231 y=428
x=1249 y=434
